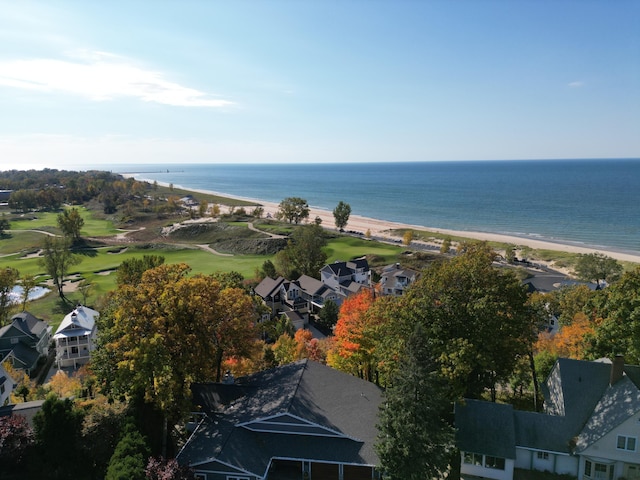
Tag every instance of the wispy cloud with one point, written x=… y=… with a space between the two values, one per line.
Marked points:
x=576 y=84
x=102 y=76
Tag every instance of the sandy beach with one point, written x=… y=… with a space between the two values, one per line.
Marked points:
x=381 y=228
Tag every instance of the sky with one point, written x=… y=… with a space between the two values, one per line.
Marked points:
x=132 y=82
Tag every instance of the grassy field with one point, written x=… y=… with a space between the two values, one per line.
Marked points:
x=99 y=262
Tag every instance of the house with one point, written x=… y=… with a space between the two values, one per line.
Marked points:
x=296 y=419
x=589 y=428
x=270 y=293
x=394 y=280
x=26 y=409
x=6 y=385
x=24 y=341
x=347 y=277
x=75 y=337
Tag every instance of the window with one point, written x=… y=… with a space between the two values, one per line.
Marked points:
x=587 y=468
x=74 y=350
x=472 y=458
x=543 y=455
x=494 y=462
x=626 y=443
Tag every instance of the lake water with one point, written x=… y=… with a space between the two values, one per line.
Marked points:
x=592 y=203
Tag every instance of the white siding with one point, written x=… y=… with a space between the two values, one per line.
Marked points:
x=479 y=471
x=606 y=447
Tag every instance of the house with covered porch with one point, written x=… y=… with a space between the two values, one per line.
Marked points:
x=75 y=337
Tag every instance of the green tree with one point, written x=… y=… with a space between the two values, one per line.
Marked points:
x=130 y=271
x=446 y=245
x=71 y=222
x=476 y=317
x=341 y=214
x=85 y=288
x=407 y=238
x=618 y=330
x=414 y=441
x=304 y=254
x=130 y=457
x=596 y=267
x=4 y=225
x=510 y=254
x=58 y=429
x=8 y=279
x=293 y=209
x=328 y=315
x=57 y=259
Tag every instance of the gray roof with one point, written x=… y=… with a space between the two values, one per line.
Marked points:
x=580 y=405
x=27 y=410
x=27 y=324
x=268 y=286
x=24 y=354
x=619 y=402
x=332 y=413
x=485 y=427
x=311 y=285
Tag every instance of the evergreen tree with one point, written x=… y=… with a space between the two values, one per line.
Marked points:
x=129 y=460
x=415 y=442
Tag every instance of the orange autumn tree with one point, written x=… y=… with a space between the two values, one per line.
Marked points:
x=352 y=350
x=570 y=341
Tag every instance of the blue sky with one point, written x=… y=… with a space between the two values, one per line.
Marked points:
x=93 y=82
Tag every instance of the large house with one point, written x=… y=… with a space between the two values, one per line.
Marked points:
x=75 y=337
x=307 y=294
x=302 y=420
x=589 y=429
x=24 y=341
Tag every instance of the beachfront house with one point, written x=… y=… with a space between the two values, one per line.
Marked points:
x=301 y=420
x=24 y=341
x=394 y=280
x=75 y=337
x=346 y=277
x=589 y=429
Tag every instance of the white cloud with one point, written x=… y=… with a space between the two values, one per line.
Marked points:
x=101 y=76
x=576 y=84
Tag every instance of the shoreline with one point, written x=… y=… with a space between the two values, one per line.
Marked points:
x=380 y=228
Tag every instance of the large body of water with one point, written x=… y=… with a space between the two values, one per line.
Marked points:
x=592 y=203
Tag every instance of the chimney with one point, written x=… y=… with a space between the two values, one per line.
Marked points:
x=617 y=369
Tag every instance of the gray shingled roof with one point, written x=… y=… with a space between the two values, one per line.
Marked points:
x=268 y=286
x=485 y=427
x=619 y=402
x=312 y=392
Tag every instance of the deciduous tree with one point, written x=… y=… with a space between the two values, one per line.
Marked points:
x=130 y=271
x=57 y=259
x=617 y=311
x=71 y=222
x=16 y=438
x=476 y=317
x=4 y=225
x=597 y=266
x=28 y=284
x=8 y=279
x=341 y=214
x=58 y=427
x=293 y=209
x=169 y=330
x=304 y=254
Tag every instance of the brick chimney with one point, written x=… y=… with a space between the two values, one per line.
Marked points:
x=617 y=369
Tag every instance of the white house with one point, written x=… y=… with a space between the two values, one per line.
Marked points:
x=75 y=337
x=589 y=429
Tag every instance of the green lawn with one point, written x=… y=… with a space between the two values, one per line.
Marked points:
x=346 y=248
